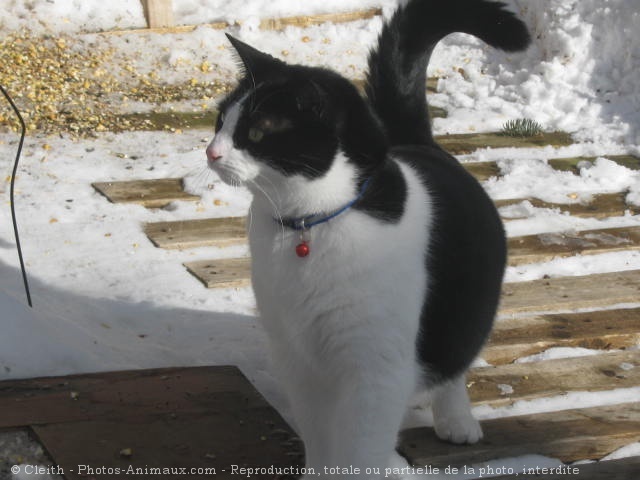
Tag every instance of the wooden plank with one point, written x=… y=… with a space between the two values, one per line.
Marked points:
x=573 y=164
x=569 y=293
x=600 y=206
x=482 y=170
x=468 y=142
x=223 y=273
x=547 y=246
x=99 y=396
x=158 y=13
x=220 y=232
x=569 y=435
x=491 y=169
x=517 y=337
x=305 y=21
x=546 y=295
x=623 y=469
x=277 y=24
x=505 y=384
x=156 y=193
x=210 y=443
x=223 y=232
x=206 y=417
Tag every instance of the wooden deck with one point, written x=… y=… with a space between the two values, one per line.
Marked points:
x=211 y=417
x=196 y=418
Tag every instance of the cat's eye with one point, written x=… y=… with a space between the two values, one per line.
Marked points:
x=255 y=135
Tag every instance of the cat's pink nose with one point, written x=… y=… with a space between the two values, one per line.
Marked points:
x=212 y=154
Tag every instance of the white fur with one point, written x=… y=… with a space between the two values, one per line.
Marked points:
x=452 y=416
x=343 y=321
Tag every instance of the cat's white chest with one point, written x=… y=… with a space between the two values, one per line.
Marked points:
x=361 y=275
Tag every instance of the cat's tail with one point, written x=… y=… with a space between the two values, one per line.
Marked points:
x=396 y=83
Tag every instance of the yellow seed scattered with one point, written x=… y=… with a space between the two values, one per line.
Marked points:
x=306 y=39
x=217 y=202
x=53 y=220
x=46 y=146
x=126 y=452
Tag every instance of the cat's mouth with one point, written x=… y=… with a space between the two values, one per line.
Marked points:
x=234 y=168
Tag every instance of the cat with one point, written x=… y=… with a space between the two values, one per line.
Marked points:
x=377 y=260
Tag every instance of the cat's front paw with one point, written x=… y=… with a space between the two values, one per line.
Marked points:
x=459 y=429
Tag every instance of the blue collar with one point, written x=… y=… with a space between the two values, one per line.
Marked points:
x=308 y=221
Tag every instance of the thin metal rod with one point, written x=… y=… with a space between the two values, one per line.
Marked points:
x=11 y=194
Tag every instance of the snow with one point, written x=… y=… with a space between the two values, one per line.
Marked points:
x=106 y=299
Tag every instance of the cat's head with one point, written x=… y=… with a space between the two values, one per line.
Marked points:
x=293 y=123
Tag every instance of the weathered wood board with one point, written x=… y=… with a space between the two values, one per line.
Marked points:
x=599 y=206
x=223 y=273
x=544 y=295
x=569 y=435
x=278 y=24
x=574 y=164
x=457 y=144
x=517 y=337
x=158 y=13
x=546 y=246
x=205 y=417
x=305 y=21
x=506 y=384
x=623 y=469
x=219 y=232
x=491 y=168
x=566 y=293
x=155 y=193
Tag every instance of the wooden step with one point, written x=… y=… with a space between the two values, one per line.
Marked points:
x=518 y=337
x=159 y=192
x=535 y=248
x=569 y=435
x=227 y=231
x=491 y=168
x=623 y=469
x=203 y=417
x=219 y=232
x=600 y=206
x=547 y=246
x=277 y=24
x=156 y=193
x=570 y=293
x=546 y=295
x=505 y=384
x=573 y=164
x=222 y=273
x=458 y=144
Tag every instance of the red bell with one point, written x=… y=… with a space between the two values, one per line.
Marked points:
x=302 y=249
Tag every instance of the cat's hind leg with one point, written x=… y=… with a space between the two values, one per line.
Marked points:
x=452 y=417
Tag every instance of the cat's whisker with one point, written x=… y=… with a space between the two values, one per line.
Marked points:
x=276 y=212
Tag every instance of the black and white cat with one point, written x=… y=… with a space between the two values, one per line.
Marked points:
x=377 y=259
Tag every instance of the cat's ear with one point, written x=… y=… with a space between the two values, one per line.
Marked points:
x=311 y=97
x=254 y=61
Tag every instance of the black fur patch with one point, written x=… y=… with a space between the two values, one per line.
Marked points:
x=465 y=264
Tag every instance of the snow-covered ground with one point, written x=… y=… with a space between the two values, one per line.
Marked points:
x=105 y=298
